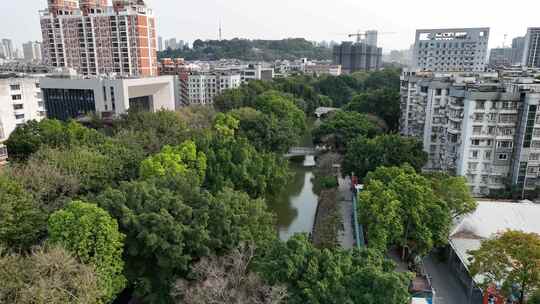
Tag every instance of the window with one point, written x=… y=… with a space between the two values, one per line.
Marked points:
x=424 y=89
x=505 y=144
x=16 y=97
x=502 y=156
x=535 y=144
x=508 y=118
x=478 y=117
x=534 y=156
x=15 y=87
x=475 y=142
x=18 y=106
x=438 y=92
x=480 y=104
x=487 y=155
x=477 y=129
x=37 y=85
x=473 y=166
x=474 y=154
x=19 y=116
x=492 y=117
x=506 y=131
x=532 y=170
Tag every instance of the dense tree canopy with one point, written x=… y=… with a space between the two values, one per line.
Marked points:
x=91 y=235
x=181 y=160
x=365 y=154
x=399 y=207
x=162 y=230
x=342 y=127
x=48 y=276
x=454 y=191
x=332 y=276
x=22 y=223
x=381 y=102
x=511 y=258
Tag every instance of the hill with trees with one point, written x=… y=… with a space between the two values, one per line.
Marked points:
x=250 y=50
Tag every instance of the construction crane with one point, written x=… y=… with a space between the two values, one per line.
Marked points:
x=361 y=34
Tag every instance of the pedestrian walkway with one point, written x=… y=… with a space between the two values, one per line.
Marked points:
x=346 y=237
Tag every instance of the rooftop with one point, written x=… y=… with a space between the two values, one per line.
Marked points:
x=490 y=219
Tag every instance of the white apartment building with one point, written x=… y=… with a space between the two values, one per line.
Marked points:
x=485 y=127
x=20 y=99
x=203 y=87
x=67 y=98
x=451 y=50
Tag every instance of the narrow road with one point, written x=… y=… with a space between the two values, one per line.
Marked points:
x=346 y=237
x=448 y=290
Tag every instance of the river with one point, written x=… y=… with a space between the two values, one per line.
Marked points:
x=296 y=205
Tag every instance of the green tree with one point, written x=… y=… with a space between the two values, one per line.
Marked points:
x=50 y=186
x=27 y=139
x=234 y=217
x=92 y=168
x=332 y=276
x=265 y=132
x=381 y=102
x=423 y=220
x=380 y=211
x=367 y=154
x=283 y=108
x=163 y=233
x=47 y=276
x=511 y=258
x=155 y=130
x=179 y=160
x=92 y=235
x=342 y=127
x=454 y=191
x=235 y=163
x=22 y=223
x=339 y=89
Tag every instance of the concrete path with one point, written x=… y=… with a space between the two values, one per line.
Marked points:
x=448 y=290
x=346 y=237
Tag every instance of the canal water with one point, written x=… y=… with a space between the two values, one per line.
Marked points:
x=296 y=205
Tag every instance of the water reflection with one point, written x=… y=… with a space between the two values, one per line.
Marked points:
x=295 y=207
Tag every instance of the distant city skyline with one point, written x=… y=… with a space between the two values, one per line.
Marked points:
x=313 y=20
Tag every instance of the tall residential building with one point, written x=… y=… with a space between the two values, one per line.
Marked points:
x=20 y=96
x=518 y=45
x=531 y=53
x=371 y=37
x=9 y=51
x=500 y=57
x=451 y=50
x=32 y=51
x=160 y=43
x=358 y=56
x=485 y=127
x=96 y=39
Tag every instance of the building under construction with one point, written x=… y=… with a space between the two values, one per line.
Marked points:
x=359 y=56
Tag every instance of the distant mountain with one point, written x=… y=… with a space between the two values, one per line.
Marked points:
x=250 y=50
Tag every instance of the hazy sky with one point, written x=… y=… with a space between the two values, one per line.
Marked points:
x=312 y=19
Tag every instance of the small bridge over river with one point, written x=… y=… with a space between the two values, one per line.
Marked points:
x=300 y=151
